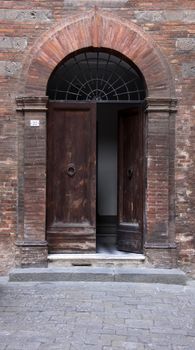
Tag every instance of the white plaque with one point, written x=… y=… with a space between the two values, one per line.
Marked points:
x=34 y=122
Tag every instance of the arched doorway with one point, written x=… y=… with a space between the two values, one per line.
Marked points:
x=95 y=157
x=98 y=29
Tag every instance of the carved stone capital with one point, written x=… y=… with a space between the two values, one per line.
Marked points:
x=31 y=103
x=161 y=104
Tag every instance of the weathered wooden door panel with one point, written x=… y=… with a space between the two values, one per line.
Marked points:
x=130 y=180
x=71 y=177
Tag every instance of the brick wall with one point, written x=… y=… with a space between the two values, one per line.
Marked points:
x=171 y=24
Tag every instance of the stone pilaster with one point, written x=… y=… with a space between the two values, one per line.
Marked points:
x=160 y=191
x=31 y=243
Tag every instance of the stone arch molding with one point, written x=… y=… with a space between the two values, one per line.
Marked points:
x=96 y=29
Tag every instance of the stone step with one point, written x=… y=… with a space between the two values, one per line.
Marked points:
x=119 y=259
x=99 y=274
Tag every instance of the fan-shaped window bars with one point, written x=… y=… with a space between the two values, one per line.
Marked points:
x=96 y=75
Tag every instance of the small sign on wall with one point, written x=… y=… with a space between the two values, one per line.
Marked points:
x=34 y=122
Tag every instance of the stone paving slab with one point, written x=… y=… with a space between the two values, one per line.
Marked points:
x=102 y=274
x=96 y=316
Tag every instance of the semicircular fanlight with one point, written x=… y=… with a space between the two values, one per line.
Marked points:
x=96 y=75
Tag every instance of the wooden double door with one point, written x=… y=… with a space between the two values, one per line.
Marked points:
x=72 y=172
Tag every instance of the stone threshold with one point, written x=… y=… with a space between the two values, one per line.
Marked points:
x=95 y=259
x=99 y=274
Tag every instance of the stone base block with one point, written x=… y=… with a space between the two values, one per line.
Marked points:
x=31 y=255
x=161 y=257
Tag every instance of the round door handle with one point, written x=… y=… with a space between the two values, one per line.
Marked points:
x=71 y=171
x=129 y=173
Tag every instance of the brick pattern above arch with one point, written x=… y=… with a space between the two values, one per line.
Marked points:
x=96 y=29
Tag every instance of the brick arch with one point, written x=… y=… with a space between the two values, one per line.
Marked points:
x=96 y=29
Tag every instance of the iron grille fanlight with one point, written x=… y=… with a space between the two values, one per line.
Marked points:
x=96 y=75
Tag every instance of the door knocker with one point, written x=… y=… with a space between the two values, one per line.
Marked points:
x=71 y=171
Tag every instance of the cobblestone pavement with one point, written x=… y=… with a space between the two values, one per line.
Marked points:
x=96 y=316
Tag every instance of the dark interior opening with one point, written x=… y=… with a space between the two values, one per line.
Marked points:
x=107 y=144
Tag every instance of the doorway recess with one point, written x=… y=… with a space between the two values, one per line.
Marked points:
x=104 y=84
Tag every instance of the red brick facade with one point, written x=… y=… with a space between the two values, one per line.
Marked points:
x=159 y=39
